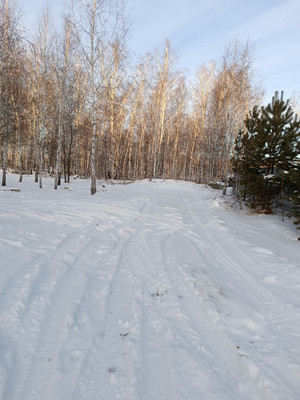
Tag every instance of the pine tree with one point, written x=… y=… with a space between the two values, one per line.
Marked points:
x=294 y=188
x=267 y=152
x=281 y=132
x=247 y=160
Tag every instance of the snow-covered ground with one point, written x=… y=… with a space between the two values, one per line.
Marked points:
x=145 y=291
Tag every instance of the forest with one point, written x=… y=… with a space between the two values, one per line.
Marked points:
x=75 y=102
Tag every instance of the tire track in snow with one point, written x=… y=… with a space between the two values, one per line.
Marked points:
x=268 y=317
x=56 y=308
x=43 y=317
x=151 y=367
x=135 y=308
x=172 y=323
x=50 y=359
x=202 y=338
x=107 y=370
x=199 y=326
x=262 y=304
x=26 y=282
x=19 y=280
x=23 y=295
x=101 y=369
x=160 y=313
x=128 y=359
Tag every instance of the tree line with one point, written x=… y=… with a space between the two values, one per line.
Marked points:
x=73 y=101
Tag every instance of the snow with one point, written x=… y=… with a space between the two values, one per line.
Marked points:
x=146 y=291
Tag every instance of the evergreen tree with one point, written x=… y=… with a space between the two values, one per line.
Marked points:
x=267 y=152
x=248 y=158
x=294 y=188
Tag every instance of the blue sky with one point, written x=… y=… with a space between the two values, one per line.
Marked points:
x=200 y=29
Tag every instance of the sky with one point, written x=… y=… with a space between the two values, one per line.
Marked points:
x=199 y=30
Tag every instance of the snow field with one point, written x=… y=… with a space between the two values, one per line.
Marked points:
x=145 y=291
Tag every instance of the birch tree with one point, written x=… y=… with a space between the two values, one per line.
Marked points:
x=10 y=48
x=235 y=90
x=62 y=68
x=201 y=141
x=97 y=23
x=115 y=98
x=42 y=55
x=164 y=85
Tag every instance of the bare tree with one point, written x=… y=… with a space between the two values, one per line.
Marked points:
x=234 y=92
x=10 y=62
x=41 y=70
x=62 y=67
x=161 y=112
x=97 y=24
x=116 y=93
x=200 y=146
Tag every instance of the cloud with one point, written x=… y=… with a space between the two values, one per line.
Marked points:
x=199 y=30
x=179 y=21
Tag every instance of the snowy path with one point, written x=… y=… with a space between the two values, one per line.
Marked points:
x=146 y=291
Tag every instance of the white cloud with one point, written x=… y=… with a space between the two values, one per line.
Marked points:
x=199 y=30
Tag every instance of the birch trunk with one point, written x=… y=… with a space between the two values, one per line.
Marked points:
x=5 y=151
x=57 y=179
